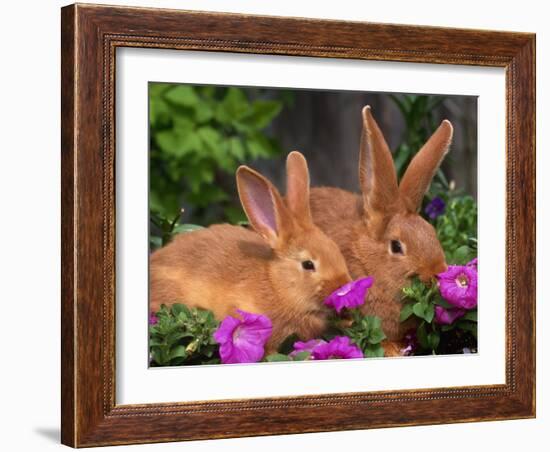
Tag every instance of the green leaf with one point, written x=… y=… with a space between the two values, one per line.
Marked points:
x=302 y=356
x=178 y=143
x=424 y=310
x=178 y=352
x=433 y=340
x=462 y=255
x=276 y=357
x=467 y=326
x=237 y=149
x=418 y=309
x=155 y=242
x=406 y=312
x=203 y=112
x=182 y=228
x=159 y=356
x=287 y=345
x=470 y=315
x=401 y=158
x=261 y=114
x=376 y=337
x=182 y=95
x=374 y=351
x=259 y=145
x=422 y=336
x=442 y=302
x=179 y=309
x=233 y=106
x=210 y=137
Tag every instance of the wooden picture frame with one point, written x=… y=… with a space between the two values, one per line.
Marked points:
x=90 y=36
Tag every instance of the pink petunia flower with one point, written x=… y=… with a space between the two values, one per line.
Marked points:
x=243 y=340
x=308 y=346
x=472 y=263
x=338 y=348
x=458 y=286
x=350 y=295
x=447 y=316
x=411 y=343
x=153 y=319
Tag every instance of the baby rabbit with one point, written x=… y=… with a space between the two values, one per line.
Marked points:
x=284 y=270
x=380 y=232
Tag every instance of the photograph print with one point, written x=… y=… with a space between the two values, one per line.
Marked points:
x=306 y=225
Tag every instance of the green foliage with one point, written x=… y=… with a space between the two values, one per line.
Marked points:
x=366 y=332
x=183 y=335
x=198 y=134
x=278 y=357
x=417 y=112
x=457 y=230
x=419 y=300
x=167 y=228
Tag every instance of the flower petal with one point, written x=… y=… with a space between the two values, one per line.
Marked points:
x=338 y=347
x=350 y=295
x=243 y=340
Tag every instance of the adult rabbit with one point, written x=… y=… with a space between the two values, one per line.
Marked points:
x=284 y=268
x=379 y=231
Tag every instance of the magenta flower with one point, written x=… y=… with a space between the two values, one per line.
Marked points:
x=338 y=348
x=447 y=316
x=435 y=208
x=308 y=346
x=243 y=340
x=458 y=286
x=153 y=319
x=472 y=263
x=350 y=295
x=411 y=343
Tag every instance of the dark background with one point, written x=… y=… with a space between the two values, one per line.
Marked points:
x=326 y=126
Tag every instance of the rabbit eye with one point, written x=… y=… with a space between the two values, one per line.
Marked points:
x=308 y=265
x=396 y=247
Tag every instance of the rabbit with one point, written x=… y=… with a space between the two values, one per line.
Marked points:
x=283 y=269
x=380 y=232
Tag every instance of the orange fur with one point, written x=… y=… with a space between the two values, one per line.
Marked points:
x=223 y=268
x=364 y=225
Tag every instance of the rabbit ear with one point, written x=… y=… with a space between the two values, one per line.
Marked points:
x=297 y=186
x=263 y=206
x=377 y=175
x=420 y=172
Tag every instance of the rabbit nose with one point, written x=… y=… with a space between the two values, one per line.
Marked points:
x=427 y=275
x=338 y=282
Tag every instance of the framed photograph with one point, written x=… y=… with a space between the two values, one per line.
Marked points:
x=281 y=225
